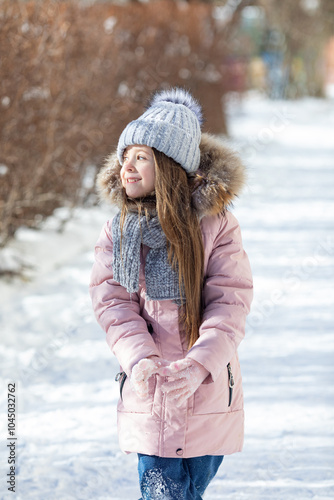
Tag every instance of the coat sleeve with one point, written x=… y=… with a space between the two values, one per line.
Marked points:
x=227 y=296
x=117 y=311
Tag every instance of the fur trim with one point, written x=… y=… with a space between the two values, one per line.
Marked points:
x=108 y=181
x=217 y=182
x=221 y=177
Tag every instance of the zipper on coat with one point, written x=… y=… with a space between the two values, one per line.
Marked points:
x=230 y=383
x=150 y=328
x=162 y=421
x=121 y=378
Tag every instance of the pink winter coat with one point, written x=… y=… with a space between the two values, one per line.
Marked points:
x=210 y=422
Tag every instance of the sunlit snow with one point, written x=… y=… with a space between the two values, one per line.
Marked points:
x=56 y=353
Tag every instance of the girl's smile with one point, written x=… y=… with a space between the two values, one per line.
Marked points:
x=138 y=171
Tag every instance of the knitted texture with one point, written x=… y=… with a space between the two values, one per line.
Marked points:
x=172 y=125
x=162 y=282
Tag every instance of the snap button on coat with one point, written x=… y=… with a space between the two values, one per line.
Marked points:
x=179 y=451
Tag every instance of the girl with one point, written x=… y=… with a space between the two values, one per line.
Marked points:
x=171 y=286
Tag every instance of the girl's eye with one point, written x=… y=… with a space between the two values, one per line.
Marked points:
x=141 y=157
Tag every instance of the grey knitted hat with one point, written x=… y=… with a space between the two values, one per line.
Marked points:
x=171 y=124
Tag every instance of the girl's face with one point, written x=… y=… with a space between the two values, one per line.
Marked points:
x=138 y=171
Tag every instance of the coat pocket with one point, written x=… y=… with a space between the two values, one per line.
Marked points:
x=129 y=402
x=222 y=396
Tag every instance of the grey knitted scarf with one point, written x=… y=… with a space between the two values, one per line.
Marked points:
x=162 y=282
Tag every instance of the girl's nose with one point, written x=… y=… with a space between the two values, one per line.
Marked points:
x=128 y=165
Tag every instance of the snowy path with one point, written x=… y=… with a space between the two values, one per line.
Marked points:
x=53 y=349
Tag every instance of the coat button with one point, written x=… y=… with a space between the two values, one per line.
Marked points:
x=179 y=451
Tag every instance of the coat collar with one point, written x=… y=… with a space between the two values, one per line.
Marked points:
x=220 y=179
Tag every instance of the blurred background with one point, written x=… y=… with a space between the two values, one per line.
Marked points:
x=74 y=73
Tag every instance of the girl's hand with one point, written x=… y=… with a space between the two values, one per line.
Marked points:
x=142 y=371
x=187 y=376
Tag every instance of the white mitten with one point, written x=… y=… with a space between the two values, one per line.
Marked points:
x=187 y=375
x=142 y=371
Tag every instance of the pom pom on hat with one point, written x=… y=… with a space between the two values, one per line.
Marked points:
x=178 y=96
x=171 y=124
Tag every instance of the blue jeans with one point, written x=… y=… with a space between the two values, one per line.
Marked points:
x=176 y=478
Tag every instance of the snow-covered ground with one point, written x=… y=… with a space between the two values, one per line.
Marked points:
x=54 y=351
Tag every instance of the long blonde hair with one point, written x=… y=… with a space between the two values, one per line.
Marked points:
x=180 y=223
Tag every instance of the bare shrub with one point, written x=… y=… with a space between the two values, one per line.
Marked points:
x=73 y=77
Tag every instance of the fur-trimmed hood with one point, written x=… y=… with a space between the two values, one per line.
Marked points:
x=218 y=180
